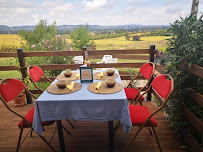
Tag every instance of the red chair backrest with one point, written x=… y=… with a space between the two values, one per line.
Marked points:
x=11 y=89
x=146 y=70
x=162 y=86
x=36 y=73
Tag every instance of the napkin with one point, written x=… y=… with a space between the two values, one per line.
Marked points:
x=77 y=75
x=70 y=87
x=98 y=86
x=101 y=75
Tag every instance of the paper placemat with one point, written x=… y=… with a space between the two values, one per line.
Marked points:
x=105 y=76
x=54 y=89
x=72 y=77
x=104 y=89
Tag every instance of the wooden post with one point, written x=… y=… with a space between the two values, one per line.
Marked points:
x=151 y=59
x=194 y=9
x=23 y=71
x=84 y=48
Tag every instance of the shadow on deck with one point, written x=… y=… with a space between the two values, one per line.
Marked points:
x=86 y=136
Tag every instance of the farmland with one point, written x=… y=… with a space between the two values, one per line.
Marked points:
x=10 y=43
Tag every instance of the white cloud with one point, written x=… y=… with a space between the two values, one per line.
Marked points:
x=22 y=10
x=99 y=12
x=95 y=4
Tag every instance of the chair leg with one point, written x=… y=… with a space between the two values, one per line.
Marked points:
x=150 y=131
x=157 y=140
x=70 y=123
x=31 y=132
x=25 y=137
x=138 y=131
x=50 y=146
x=66 y=130
x=19 y=139
x=116 y=127
x=53 y=135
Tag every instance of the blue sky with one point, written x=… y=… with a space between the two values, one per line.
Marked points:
x=94 y=12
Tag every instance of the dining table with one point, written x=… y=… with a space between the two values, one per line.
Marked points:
x=83 y=105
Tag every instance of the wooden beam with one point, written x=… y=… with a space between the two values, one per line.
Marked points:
x=196 y=70
x=102 y=65
x=193 y=143
x=160 y=69
x=195 y=96
x=78 y=53
x=8 y=68
x=52 y=53
x=8 y=54
x=193 y=120
x=132 y=57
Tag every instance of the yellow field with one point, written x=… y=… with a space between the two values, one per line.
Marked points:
x=10 y=42
x=122 y=43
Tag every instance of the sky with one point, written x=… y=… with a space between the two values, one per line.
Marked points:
x=94 y=12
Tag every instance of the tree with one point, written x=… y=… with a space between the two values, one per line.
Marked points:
x=136 y=38
x=80 y=37
x=41 y=32
x=45 y=38
x=127 y=36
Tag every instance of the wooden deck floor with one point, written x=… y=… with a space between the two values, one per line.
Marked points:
x=86 y=136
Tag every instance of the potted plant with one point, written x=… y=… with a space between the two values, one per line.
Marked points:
x=19 y=100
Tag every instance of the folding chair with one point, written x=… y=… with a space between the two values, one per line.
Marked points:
x=162 y=88
x=147 y=71
x=78 y=59
x=105 y=59
x=35 y=73
x=10 y=89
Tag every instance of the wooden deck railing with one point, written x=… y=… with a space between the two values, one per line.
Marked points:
x=137 y=54
x=144 y=55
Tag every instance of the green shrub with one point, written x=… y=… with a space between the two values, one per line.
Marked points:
x=186 y=44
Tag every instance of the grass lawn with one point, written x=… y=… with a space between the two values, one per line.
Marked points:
x=8 y=74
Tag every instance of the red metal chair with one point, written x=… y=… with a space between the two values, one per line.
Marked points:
x=35 y=73
x=147 y=71
x=162 y=88
x=10 y=89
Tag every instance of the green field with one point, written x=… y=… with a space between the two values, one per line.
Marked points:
x=102 y=44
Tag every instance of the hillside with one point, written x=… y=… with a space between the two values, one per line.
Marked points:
x=67 y=28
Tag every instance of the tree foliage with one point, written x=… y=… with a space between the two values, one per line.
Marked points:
x=127 y=35
x=136 y=38
x=41 y=32
x=80 y=37
x=45 y=38
x=186 y=45
x=106 y=36
x=156 y=33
